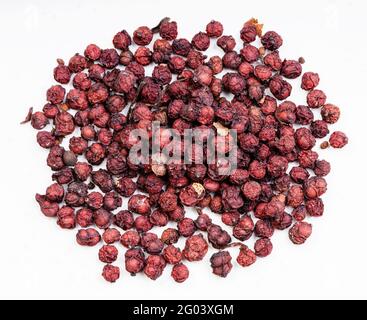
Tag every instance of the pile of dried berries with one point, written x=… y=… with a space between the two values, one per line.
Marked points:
x=278 y=181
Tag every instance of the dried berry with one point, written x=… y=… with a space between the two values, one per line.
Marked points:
x=319 y=129
x=218 y=237
x=168 y=201
x=203 y=222
x=214 y=29
x=62 y=73
x=291 y=69
x=299 y=174
x=251 y=190
x=74 y=198
x=111 y=273
x=48 y=208
x=273 y=61
x=322 y=168
x=124 y=219
x=315 y=207
x=304 y=115
x=172 y=255
x=122 y=40
x=56 y=94
x=307 y=159
x=221 y=263
x=315 y=187
x=143 y=224
x=39 y=120
x=181 y=47
x=186 y=227
x=64 y=124
x=295 y=196
x=180 y=273
x=78 y=145
x=94 y=200
x=92 y=52
x=227 y=43
x=263 y=247
x=84 y=218
x=310 y=81
x=248 y=33
x=112 y=201
x=196 y=248
x=304 y=139
x=264 y=229
x=55 y=161
x=130 y=239
x=69 y=158
x=82 y=82
x=177 y=215
x=103 y=180
x=168 y=30
x=299 y=213
x=201 y=41
x=280 y=88
x=108 y=254
x=151 y=243
x=49 y=110
x=159 y=218
x=231 y=218
x=250 y=53
x=139 y=204
x=246 y=257
x=300 y=232
x=55 y=193
x=191 y=195
x=134 y=261
x=330 y=113
x=102 y=218
x=154 y=267
x=316 y=99
x=88 y=237
x=272 y=41
x=77 y=63
x=170 y=236
x=143 y=36
x=125 y=186
x=282 y=221
x=110 y=236
x=244 y=229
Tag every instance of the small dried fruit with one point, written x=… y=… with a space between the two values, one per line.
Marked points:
x=300 y=232
x=338 y=140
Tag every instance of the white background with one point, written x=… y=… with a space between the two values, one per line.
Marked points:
x=38 y=260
